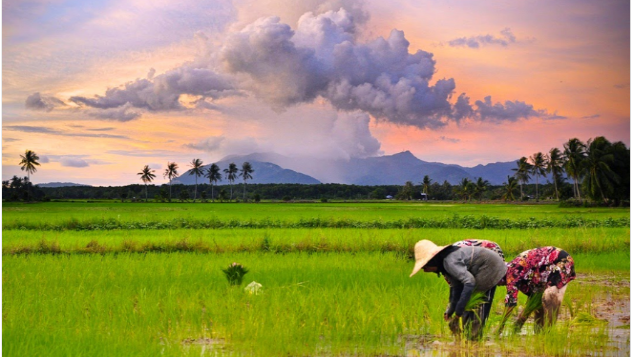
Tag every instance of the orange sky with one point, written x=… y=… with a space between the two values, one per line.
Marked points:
x=569 y=60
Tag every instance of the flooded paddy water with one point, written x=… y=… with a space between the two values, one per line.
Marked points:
x=607 y=316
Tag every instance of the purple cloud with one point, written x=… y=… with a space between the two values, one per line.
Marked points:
x=476 y=41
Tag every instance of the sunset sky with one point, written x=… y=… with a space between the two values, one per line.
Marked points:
x=98 y=89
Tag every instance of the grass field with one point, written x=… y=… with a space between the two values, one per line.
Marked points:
x=16 y=215
x=326 y=291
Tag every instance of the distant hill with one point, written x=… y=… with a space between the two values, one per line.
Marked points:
x=59 y=184
x=264 y=172
x=382 y=170
x=496 y=172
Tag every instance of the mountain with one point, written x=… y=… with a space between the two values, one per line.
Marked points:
x=496 y=172
x=59 y=184
x=383 y=170
x=264 y=172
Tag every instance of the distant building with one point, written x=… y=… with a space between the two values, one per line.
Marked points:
x=423 y=196
x=389 y=197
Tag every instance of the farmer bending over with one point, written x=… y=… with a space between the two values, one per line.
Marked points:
x=540 y=273
x=468 y=270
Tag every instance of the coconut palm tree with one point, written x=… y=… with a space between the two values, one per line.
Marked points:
x=170 y=172
x=245 y=173
x=509 y=188
x=555 y=166
x=599 y=178
x=213 y=174
x=574 y=152
x=522 y=173
x=231 y=176
x=465 y=189
x=480 y=187
x=147 y=175
x=538 y=168
x=426 y=183
x=28 y=163
x=196 y=169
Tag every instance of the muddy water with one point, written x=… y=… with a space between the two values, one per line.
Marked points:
x=610 y=307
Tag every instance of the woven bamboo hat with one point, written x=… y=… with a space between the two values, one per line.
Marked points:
x=424 y=250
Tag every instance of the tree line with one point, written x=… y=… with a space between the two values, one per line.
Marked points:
x=599 y=170
x=596 y=170
x=197 y=169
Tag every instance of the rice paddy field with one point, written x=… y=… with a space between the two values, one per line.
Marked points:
x=136 y=279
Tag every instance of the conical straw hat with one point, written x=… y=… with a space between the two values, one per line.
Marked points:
x=424 y=250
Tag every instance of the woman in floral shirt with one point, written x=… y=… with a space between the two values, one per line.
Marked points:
x=546 y=271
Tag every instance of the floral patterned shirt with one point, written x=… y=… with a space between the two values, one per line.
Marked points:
x=537 y=269
x=481 y=243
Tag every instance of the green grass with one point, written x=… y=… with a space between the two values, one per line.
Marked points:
x=334 y=275
x=69 y=214
x=575 y=240
x=153 y=304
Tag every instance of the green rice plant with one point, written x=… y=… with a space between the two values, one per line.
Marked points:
x=235 y=273
x=326 y=304
x=583 y=244
x=477 y=299
x=586 y=319
x=533 y=303
x=104 y=216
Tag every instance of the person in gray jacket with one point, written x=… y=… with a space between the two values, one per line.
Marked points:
x=468 y=270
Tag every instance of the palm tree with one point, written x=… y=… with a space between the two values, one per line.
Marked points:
x=465 y=189
x=245 y=173
x=170 y=172
x=213 y=174
x=599 y=176
x=538 y=168
x=28 y=163
x=509 y=188
x=574 y=153
x=522 y=173
x=147 y=175
x=196 y=169
x=554 y=166
x=426 y=183
x=480 y=187
x=231 y=176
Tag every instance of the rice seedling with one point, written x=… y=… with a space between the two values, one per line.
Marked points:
x=174 y=304
x=235 y=273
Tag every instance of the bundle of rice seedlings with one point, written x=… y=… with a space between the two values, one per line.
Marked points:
x=235 y=273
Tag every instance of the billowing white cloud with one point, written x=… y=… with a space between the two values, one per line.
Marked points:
x=352 y=137
x=323 y=58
